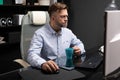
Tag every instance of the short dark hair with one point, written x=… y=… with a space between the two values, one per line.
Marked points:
x=57 y=6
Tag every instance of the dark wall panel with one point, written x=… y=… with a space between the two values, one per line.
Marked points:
x=87 y=20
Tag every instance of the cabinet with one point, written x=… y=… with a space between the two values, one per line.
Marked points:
x=10 y=48
x=8 y=29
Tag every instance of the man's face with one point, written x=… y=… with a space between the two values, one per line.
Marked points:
x=61 y=18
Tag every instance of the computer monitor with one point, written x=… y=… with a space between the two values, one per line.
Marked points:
x=112 y=41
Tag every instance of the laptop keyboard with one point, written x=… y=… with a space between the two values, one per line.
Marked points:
x=92 y=61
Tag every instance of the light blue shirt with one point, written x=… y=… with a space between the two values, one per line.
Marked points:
x=46 y=44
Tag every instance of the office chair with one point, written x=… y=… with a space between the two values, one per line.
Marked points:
x=30 y=22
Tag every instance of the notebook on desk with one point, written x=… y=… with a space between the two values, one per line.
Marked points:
x=92 y=60
x=35 y=74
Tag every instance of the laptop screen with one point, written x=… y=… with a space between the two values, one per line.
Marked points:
x=112 y=41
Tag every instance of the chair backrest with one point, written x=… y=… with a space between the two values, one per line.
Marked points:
x=30 y=23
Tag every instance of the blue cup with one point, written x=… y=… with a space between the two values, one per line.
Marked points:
x=69 y=57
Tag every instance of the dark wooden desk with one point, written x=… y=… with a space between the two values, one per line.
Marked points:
x=93 y=74
x=12 y=75
x=90 y=74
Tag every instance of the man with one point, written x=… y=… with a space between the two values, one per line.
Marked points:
x=47 y=49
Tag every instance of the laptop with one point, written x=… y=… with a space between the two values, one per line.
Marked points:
x=92 y=60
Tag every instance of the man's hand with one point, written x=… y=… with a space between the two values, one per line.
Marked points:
x=50 y=66
x=77 y=50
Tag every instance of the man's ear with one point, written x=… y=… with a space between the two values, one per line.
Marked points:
x=53 y=17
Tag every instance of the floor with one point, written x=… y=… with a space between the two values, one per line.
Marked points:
x=7 y=54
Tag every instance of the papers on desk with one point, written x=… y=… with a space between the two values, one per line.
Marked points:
x=2 y=40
